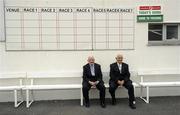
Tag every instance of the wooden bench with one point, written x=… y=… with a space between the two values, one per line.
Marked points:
x=157 y=83
x=18 y=78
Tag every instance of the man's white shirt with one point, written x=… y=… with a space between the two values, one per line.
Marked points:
x=120 y=67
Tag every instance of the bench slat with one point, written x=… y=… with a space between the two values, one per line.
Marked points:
x=159 y=83
x=10 y=87
x=64 y=86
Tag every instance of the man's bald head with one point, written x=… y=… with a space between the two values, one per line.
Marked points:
x=119 y=58
x=91 y=59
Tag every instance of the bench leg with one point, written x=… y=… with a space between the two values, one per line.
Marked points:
x=16 y=98
x=28 y=102
x=134 y=90
x=16 y=103
x=141 y=93
x=81 y=98
x=147 y=94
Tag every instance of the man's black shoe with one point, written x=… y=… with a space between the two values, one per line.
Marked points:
x=113 y=101
x=103 y=105
x=132 y=106
x=87 y=105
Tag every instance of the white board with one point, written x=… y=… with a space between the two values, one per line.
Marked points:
x=69 y=28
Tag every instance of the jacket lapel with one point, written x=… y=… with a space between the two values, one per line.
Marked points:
x=89 y=69
x=117 y=68
x=122 y=68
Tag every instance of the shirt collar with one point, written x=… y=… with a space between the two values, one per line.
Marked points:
x=91 y=64
x=119 y=64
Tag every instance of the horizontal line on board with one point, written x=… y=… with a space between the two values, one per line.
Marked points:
x=73 y=12
x=47 y=20
x=70 y=20
x=46 y=7
x=75 y=42
x=90 y=49
x=71 y=35
x=49 y=42
x=70 y=27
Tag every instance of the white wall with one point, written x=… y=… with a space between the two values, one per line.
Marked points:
x=1 y=21
x=142 y=57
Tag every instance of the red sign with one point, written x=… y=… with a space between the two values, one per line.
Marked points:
x=150 y=8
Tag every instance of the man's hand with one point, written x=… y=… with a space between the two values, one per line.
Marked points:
x=120 y=82
x=92 y=83
x=96 y=82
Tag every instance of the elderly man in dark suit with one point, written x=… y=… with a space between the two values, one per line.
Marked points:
x=92 y=77
x=120 y=76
